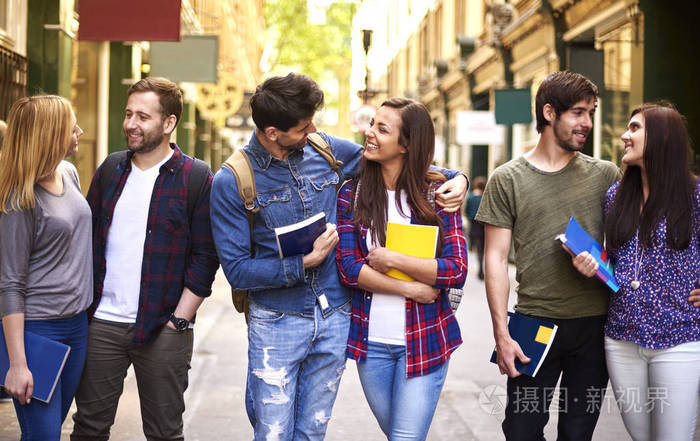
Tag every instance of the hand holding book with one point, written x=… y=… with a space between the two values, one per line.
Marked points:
x=323 y=245
x=584 y=262
x=507 y=352
x=525 y=348
x=577 y=242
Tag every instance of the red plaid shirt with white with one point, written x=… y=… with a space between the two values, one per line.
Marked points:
x=432 y=332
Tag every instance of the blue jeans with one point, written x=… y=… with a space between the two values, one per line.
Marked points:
x=40 y=421
x=294 y=368
x=404 y=407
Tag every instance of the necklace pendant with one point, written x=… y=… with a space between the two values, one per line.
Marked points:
x=635 y=284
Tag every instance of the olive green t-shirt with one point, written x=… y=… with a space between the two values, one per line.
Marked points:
x=537 y=206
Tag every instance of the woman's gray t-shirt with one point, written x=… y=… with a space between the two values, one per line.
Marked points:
x=46 y=254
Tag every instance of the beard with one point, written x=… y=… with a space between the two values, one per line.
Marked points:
x=148 y=144
x=291 y=147
x=568 y=143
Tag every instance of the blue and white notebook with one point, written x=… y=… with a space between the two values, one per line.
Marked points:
x=45 y=359
x=577 y=240
x=534 y=336
x=298 y=238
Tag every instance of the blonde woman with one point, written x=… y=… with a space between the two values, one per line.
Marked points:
x=45 y=254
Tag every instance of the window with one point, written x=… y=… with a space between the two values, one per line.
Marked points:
x=437 y=33
x=460 y=16
x=617 y=70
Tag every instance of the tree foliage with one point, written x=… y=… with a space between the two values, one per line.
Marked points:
x=320 y=51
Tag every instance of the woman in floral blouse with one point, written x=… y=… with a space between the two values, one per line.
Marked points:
x=652 y=231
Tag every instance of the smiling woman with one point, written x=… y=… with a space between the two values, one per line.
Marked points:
x=402 y=332
x=634 y=139
x=652 y=230
x=45 y=254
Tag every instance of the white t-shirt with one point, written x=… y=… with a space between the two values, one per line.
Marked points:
x=387 y=316
x=124 y=249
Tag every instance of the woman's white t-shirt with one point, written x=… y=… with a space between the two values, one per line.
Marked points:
x=387 y=317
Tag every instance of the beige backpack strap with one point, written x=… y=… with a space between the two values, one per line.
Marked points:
x=242 y=169
x=321 y=146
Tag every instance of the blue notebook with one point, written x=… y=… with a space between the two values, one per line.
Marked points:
x=298 y=238
x=534 y=336
x=577 y=240
x=45 y=359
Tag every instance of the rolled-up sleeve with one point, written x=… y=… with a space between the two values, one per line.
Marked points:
x=16 y=241
x=452 y=263
x=348 y=255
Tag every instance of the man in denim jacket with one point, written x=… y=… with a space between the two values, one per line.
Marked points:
x=299 y=311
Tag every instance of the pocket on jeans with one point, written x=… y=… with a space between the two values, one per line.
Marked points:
x=260 y=314
x=346 y=309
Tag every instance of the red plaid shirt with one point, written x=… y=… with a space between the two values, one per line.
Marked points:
x=432 y=332
x=175 y=254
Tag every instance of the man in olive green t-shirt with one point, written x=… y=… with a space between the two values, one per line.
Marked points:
x=530 y=200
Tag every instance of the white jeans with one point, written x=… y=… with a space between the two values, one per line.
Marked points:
x=655 y=389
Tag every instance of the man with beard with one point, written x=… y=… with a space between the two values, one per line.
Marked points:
x=154 y=263
x=529 y=200
x=299 y=311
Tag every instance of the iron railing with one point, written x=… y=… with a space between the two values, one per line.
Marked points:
x=13 y=79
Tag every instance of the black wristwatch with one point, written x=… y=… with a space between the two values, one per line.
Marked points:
x=180 y=323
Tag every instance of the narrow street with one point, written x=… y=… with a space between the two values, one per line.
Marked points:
x=471 y=406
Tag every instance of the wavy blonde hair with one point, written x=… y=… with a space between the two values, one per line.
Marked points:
x=39 y=131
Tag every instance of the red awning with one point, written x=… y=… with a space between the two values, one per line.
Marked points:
x=129 y=20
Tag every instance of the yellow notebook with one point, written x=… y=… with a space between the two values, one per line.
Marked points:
x=412 y=240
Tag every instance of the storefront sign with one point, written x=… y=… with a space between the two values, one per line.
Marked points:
x=192 y=59
x=478 y=128
x=129 y=20
x=513 y=106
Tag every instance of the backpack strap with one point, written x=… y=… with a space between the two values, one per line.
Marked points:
x=198 y=179
x=108 y=167
x=242 y=169
x=195 y=184
x=321 y=146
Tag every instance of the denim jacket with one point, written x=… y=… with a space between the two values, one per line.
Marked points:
x=287 y=192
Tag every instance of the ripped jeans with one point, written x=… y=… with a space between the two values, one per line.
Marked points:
x=294 y=369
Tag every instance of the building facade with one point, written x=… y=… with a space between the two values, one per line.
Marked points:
x=454 y=55
x=40 y=52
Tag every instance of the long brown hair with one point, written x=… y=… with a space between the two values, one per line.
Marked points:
x=417 y=136
x=671 y=184
x=39 y=131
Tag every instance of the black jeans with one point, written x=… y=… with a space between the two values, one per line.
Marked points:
x=578 y=356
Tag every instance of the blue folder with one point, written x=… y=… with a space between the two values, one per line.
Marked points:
x=45 y=359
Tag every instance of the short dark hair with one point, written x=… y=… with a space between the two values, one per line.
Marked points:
x=479 y=183
x=562 y=90
x=282 y=102
x=169 y=95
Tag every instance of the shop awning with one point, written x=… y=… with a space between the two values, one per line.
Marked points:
x=129 y=20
